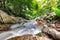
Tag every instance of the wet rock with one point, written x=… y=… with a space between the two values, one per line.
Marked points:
x=55 y=24
x=52 y=25
x=4 y=27
x=18 y=19
x=5 y=18
x=58 y=23
x=54 y=33
x=40 y=22
x=29 y=37
x=44 y=38
x=50 y=15
x=41 y=34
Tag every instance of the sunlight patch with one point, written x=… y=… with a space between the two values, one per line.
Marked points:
x=38 y=0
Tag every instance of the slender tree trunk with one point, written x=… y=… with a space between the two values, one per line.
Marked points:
x=0 y=3
x=3 y=3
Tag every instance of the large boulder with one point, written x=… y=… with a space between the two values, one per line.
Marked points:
x=5 y=18
x=29 y=37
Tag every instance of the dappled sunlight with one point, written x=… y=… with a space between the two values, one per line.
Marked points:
x=38 y=0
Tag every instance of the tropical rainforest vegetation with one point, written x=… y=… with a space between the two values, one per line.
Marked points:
x=30 y=9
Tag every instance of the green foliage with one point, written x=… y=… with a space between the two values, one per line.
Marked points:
x=30 y=8
x=50 y=19
x=57 y=11
x=58 y=6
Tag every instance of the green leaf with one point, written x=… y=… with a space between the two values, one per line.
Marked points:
x=57 y=11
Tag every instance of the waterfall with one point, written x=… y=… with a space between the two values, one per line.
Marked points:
x=29 y=27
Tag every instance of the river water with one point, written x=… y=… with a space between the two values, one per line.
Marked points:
x=29 y=27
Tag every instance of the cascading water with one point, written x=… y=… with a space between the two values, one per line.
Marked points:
x=29 y=27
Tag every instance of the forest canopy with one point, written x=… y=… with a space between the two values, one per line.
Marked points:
x=29 y=9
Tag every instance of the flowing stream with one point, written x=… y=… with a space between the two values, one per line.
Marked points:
x=29 y=27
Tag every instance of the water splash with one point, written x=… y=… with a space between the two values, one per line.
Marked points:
x=29 y=27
